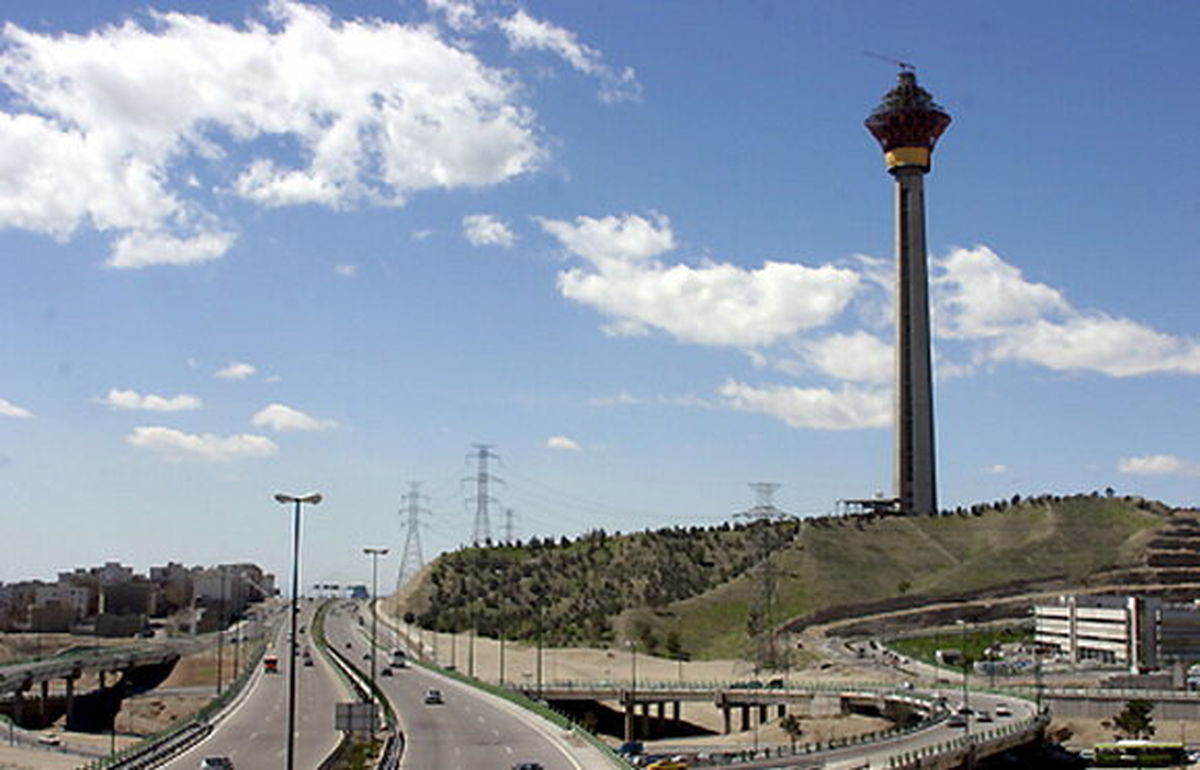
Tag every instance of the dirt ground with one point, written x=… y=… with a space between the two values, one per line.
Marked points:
x=1087 y=732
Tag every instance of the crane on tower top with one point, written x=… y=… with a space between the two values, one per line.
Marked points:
x=903 y=65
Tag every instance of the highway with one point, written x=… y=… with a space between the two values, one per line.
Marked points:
x=471 y=730
x=253 y=734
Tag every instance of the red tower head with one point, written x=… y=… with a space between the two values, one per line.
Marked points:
x=907 y=123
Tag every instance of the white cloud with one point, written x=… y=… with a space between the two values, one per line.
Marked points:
x=1117 y=347
x=980 y=295
x=280 y=417
x=1158 y=465
x=997 y=468
x=9 y=409
x=131 y=400
x=142 y=248
x=369 y=111
x=818 y=408
x=346 y=271
x=237 y=370
x=857 y=357
x=985 y=301
x=714 y=304
x=624 y=398
x=461 y=15
x=562 y=442
x=525 y=32
x=487 y=230
x=175 y=445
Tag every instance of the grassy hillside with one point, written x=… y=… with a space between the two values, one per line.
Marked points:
x=700 y=591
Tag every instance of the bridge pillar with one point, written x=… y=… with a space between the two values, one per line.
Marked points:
x=781 y=710
x=660 y=717
x=629 y=721
x=71 y=697
x=762 y=713
x=42 y=701
x=675 y=713
x=745 y=718
x=728 y=721
x=645 y=728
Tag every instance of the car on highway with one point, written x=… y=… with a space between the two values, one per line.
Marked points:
x=216 y=763
x=386 y=671
x=668 y=764
x=1002 y=710
x=433 y=696
x=49 y=739
x=528 y=766
x=956 y=720
x=982 y=716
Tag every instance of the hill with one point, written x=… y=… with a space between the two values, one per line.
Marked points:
x=705 y=592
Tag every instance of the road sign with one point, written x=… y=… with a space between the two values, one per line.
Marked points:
x=354 y=717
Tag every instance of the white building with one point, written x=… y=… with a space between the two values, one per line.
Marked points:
x=1142 y=633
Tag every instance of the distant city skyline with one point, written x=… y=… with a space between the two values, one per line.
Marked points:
x=642 y=250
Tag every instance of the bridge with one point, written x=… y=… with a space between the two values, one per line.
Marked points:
x=921 y=738
x=134 y=668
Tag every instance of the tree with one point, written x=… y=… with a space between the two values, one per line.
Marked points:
x=791 y=725
x=1134 y=721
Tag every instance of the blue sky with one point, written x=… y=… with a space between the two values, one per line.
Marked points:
x=642 y=249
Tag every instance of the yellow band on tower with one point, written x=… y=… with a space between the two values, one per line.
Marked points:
x=907 y=156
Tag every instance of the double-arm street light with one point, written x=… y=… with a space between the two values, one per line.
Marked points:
x=374 y=553
x=312 y=499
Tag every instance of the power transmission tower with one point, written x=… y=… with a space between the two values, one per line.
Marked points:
x=764 y=501
x=760 y=624
x=508 y=526
x=482 y=532
x=412 y=560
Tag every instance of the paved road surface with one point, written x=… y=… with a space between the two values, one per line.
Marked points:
x=471 y=730
x=254 y=733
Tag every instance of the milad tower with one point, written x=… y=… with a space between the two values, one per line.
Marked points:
x=907 y=123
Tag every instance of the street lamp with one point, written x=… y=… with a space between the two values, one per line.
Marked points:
x=312 y=498
x=962 y=623
x=374 y=553
x=632 y=645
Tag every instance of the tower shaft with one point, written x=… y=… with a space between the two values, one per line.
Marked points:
x=907 y=125
x=914 y=466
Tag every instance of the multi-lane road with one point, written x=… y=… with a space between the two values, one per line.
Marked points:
x=253 y=734
x=471 y=729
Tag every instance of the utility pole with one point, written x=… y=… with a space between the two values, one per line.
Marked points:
x=412 y=560
x=482 y=532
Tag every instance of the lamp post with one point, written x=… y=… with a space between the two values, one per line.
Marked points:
x=374 y=553
x=313 y=498
x=962 y=623
x=632 y=645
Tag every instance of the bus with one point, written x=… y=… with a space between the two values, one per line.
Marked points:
x=1139 y=754
x=271 y=664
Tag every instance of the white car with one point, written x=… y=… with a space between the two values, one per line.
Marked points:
x=1002 y=710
